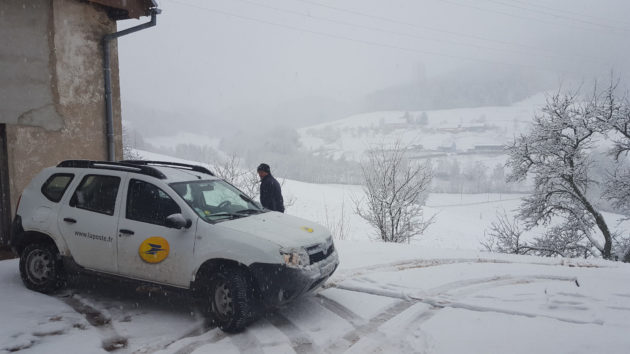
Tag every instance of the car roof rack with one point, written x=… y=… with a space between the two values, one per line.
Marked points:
x=109 y=165
x=195 y=168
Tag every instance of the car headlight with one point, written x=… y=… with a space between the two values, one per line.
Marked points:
x=295 y=257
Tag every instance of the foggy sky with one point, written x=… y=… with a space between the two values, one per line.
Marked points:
x=235 y=58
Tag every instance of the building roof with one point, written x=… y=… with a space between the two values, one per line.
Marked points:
x=126 y=9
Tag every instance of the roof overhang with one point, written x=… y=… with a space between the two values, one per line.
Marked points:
x=126 y=9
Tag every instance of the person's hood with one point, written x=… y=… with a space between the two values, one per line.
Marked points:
x=282 y=229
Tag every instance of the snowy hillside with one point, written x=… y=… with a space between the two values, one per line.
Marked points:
x=428 y=134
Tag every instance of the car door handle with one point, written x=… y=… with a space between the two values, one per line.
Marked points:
x=70 y=220
x=126 y=232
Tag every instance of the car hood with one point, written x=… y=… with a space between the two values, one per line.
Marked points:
x=282 y=229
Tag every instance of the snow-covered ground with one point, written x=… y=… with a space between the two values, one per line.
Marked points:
x=461 y=221
x=385 y=298
x=439 y=294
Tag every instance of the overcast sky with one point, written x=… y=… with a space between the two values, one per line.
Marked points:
x=214 y=55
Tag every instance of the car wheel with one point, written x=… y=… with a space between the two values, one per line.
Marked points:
x=231 y=300
x=40 y=267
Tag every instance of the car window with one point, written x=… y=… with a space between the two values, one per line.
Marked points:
x=96 y=193
x=56 y=185
x=215 y=200
x=148 y=203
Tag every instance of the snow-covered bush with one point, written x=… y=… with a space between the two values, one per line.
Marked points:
x=395 y=192
x=230 y=170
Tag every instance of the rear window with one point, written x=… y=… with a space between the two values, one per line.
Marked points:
x=56 y=185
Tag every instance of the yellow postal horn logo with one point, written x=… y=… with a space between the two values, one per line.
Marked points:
x=307 y=229
x=154 y=249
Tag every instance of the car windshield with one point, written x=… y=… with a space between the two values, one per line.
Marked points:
x=216 y=200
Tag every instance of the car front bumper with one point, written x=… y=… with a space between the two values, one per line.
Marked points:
x=280 y=284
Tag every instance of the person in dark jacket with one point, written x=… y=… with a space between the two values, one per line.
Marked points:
x=270 y=191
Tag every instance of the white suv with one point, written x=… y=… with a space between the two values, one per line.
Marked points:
x=171 y=224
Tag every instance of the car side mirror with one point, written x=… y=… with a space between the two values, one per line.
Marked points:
x=177 y=221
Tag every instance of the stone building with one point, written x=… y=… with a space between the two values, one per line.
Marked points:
x=52 y=87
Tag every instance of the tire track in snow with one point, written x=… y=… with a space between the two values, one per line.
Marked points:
x=340 y=310
x=191 y=347
x=411 y=320
x=372 y=291
x=205 y=328
x=470 y=286
x=404 y=265
x=480 y=283
x=425 y=263
x=112 y=340
x=247 y=343
x=301 y=342
x=351 y=338
x=495 y=281
x=476 y=308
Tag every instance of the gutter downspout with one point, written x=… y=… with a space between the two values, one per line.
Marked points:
x=109 y=119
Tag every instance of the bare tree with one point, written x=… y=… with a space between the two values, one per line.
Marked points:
x=395 y=191
x=555 y=153
x=623 y=245
x=247 y=180
x=337 y=226
x=613 y=118
x=504 y=236
x=566 y=240
x=617 y=190
x=250 y=183
x=230 y=170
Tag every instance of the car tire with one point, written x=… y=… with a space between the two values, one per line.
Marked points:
x=231 y=299
x=41 y=268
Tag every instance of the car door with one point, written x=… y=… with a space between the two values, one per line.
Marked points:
x=88 y=220
x=147 y=248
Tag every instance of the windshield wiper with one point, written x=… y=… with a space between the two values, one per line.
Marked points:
x=246 y=198
x=249 y=211
x=231 y=215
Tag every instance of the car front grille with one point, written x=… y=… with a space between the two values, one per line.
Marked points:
x=318 y=255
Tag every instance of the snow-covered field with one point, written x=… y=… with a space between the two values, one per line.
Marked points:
x=426 y=133
x=439 y=294
x=384 y=299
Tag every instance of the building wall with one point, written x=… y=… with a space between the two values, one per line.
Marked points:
x=58 y=107
x=25 y=89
